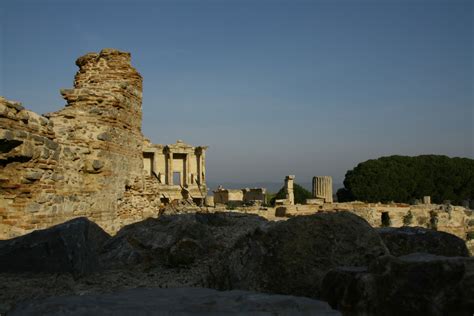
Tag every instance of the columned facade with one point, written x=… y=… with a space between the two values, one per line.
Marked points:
x=178 y=168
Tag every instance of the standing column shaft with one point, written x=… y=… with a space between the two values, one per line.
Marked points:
x=203 y=167
x=199 y=177
x=289 y=181
x=322 y=188
x=187 y=178
x=170 y=168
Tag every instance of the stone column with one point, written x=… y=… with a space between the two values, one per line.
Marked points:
x=203 y=167
x=289 y=180
x=198 y=167
x=322 y=188
x=170 y=168
x=187 y=174
x=427 y=199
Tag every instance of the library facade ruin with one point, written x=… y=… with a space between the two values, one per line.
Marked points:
x=179 y=169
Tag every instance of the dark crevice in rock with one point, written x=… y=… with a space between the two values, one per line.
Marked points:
x=6 y=145
x=9 y=160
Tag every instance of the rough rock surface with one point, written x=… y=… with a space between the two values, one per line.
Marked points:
x=293 y=256
x=152 y=253
x=170 y=240
x=333 y=256
x=405 y=240
x=177 y=301
x=176 y=240
x=456 y=220
x=416 y=284
x=73 y=247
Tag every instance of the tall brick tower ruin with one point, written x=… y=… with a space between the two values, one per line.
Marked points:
x=78 y=161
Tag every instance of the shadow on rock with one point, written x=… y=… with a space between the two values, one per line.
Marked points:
x=175 y=240
x=72 y=247
x=177 y=301
x=292 y=257
x=405 y=240
x=416 y=284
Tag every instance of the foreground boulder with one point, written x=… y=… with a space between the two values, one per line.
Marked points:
x=405 y=240
x=292 y=257
x=176 y=301
x=416 y=284
x=176 y=240
x=72 y=246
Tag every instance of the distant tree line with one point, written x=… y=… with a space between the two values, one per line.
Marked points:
x=404 y=179
x=300 y=193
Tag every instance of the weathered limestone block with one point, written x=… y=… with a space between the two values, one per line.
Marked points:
x=315 y=201
x=209 y=201
x=255 y=195
x=225 y=196
x=427 y=199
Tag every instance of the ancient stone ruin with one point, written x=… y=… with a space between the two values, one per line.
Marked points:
x=177 y=171
x=289 y=181
x=91 y=160
x=237 y=197
x=322 y=188
x=87 y=159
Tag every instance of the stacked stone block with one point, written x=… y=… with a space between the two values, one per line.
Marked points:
x=28 y=159
x=289 y=184
x=80 y=160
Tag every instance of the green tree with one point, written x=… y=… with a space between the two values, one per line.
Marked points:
x=300 y=193
x=403 y=179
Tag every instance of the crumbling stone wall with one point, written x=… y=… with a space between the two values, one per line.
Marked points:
x=28 y=157
x=142 y=199
x=224 y=196
x=255 y=195
x=455 y=220
x=80 y=160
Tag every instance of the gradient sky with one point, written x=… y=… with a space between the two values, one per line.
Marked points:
x=273 y=87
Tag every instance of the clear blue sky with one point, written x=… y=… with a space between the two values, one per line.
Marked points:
x=273 y=87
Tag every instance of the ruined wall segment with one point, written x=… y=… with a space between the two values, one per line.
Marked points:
x=28 y=159
x=455 y=220
x=255 y=195
x=107 y=95
x=103 y=110
x=101 y=124
x=80 y=160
